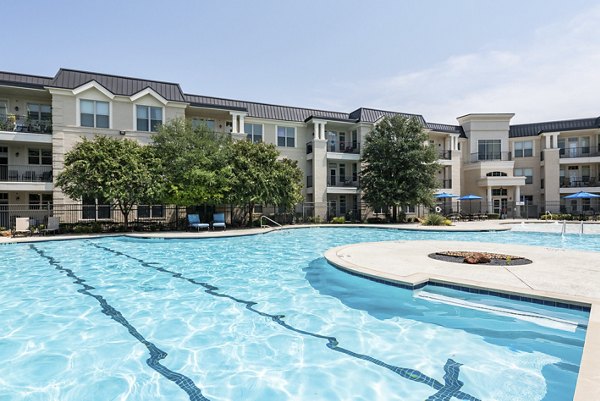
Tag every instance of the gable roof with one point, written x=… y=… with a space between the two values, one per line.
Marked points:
x=451 y=129
x=118 y=85
x=24 y=80
x=368 y=115
x=534 y=129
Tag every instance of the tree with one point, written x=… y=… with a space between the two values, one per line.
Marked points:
x=195 y=163
x=259 y=178
x=399 y=168
x=120 y=171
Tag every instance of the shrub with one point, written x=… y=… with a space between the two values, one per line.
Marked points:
x=375 y=220
x=493 y=216
x=434 y=219
x=338 y=220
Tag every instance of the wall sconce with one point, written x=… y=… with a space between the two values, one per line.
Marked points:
x=16 y=108
x=122 y=132
x=17 y=154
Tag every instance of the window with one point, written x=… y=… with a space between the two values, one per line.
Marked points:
x=496 y=174
x=38 y=201
x=499 y=192
x=584 y=142
x=199 y=122
x=489 y=149
x=286 y=136
x=528 y=199
x=95 y=209
x=37 y=113
x=254 y=132
x=527 y=172
x=148 y=118
x=40 y=156
x=94 y=113
x=524 y=149
x=150 y=211
x=3 y=109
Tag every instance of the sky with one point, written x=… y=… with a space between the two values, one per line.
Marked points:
x=539 y=59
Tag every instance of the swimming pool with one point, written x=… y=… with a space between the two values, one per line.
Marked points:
x=266 y=318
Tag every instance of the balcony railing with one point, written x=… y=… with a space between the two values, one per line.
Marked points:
x=445 y=155
x=577 y=182
x=29 y=173
x=309 y=147
x=21 y=123
x=585 y=151
x=445 y=184
x=490 y=156
x=309 y=181
x=344 y=147
x=342 y=181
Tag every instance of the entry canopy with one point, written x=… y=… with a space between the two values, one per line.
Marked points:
x=470 y=197
x=582 y=195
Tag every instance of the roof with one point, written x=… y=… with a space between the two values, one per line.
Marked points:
x=451 y=129
x=118 y=85
x=264 y=110
x=534 y=129
x=24 y=80
x=367 y=115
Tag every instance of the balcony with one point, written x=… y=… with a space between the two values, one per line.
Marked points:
x=309 y=147
x=585 y=151
x=28 y=173
x=344 y=147
x=22 y=123
x=578 y=182
x=490 y=157
x=445 y=155
x=347 y=181
x=309 y=181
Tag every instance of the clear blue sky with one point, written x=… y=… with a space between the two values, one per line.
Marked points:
x=537 y=58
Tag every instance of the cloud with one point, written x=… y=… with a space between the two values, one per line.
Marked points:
x=554 y=76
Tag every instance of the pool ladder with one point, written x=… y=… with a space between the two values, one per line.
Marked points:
x=263 y=225
x=564 y=228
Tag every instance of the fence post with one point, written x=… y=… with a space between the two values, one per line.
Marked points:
x=176 y=217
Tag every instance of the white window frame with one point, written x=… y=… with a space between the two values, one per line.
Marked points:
x=95 y=123
x=522 y=144
x=252 y=134
x=520 y=172
x=286 y=127
x=136 y=105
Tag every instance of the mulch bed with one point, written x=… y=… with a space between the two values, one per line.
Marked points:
x=496 y=259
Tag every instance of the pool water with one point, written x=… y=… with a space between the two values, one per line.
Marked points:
x=266 y=318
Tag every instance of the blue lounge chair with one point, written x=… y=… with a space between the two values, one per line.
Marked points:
x=218 y=220
x=194 y=222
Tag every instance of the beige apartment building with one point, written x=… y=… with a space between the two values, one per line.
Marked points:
x=517 y=170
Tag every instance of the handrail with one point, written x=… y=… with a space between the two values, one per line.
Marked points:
x=266 y=225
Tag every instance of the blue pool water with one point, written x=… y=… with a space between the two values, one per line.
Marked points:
x=266 y=318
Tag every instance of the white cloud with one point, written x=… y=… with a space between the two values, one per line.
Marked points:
x=554 y=76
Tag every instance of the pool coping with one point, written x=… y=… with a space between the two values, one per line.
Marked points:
x=589 y=372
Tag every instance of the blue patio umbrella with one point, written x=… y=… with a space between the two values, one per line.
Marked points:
x=444 y=195
x=582 y=195
x=469 y=197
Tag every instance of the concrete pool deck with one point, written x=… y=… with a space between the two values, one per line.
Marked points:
x=556 y=274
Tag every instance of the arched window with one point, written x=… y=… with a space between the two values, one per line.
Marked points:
x=496 y=174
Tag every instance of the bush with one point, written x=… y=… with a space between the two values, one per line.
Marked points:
x=338 y=220
x=493 y=216
x=435 y=220
x=375 y=220
x=557 y=216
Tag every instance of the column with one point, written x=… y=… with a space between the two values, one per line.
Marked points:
x=517 y=199
x=489 y=199
x=241 y=123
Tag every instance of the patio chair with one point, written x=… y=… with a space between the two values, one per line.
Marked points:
x=22 y=226
x=194 y=222
x=218 y=220
x=52 y=227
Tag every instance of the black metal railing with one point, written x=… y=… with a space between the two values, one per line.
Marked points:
x=542 y=156
x=445 y=155
x=22 y=123
x=490 y=156
x=309 y=147
x=342 y=181
x=577 y=182
x=309 y=181
x=344 y=147
x=28 y=173
x=584 y=151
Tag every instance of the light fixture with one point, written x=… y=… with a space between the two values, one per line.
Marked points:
x=17 y=154
x=121 y=132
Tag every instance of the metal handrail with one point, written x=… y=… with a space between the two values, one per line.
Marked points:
x=266 y=225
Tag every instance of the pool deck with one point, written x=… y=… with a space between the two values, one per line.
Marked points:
x=555 y=274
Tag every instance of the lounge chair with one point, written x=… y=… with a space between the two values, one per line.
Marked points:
x=218 y=220
x=22 y=226
x=194 y=222
x=52 y=227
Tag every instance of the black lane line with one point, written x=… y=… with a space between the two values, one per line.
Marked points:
x=156 y=354
x=450 y=388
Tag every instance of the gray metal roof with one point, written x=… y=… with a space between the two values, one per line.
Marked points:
x=125 y=86
x=452 y=129
x=263 y=110
x=23 y=80
x=367 y=115
x=534 y=129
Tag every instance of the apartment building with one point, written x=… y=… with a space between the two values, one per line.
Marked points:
x=509 y=166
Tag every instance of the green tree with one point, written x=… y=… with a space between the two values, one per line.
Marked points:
x=259 y=178
x=120 y=171
x=195 y=163
x=399 y=168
